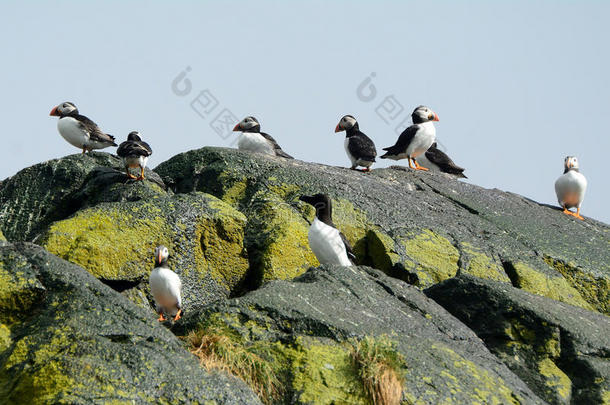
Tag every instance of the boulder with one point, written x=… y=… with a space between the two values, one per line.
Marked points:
x=303 y=328
x=560 y=351
x=67 y=338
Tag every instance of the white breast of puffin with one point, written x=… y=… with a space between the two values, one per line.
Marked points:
x=254 y=142
x=424 y=138
x=69 y=128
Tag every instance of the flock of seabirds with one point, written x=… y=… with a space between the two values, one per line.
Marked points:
x=417 y=144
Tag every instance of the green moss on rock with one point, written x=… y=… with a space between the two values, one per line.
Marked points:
x=435 y=258
x=480 y=264
x=557 y=382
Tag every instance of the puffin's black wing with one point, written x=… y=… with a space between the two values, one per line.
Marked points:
x=95 y=133
x=362 y=147
x=444 y=162
x=278 y=150
x=348 y=247
x=403 y=141
x=133 y=148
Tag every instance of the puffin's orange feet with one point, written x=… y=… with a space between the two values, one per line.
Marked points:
x=178 y=315
x=567 y=211
x=141 y=174
x=161 y=318
x=418 y=167
x=577 y=215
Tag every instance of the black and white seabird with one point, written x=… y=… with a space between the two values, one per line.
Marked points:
x=165 y=286
x=416 y=139
x=328 y=244
x=79 y=130
x=135 y=153
x=436 y=159
x=570 y=187
x=254 y=140
x=359 y=147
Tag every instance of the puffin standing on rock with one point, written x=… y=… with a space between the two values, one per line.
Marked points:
x=359 y=147
x=79 y=130
x=135 y=153
x=328 y=244
x=436 y=159
x=570 y=187
x=165 y=286
x=416 y=139
x=254 y=140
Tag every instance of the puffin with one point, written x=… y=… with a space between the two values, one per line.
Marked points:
x=79 y=130
x=359 y=148
x=570 y=187
x=165 y=286
x=328 y=244
x=254 y=140
x=416 y=139
x=436 y=159
x=135 y=153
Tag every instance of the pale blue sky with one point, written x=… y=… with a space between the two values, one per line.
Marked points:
x=517 y=85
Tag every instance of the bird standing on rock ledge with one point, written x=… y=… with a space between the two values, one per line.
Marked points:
x=79 y=130
x=165 y=286
x=416 y=139
x=359 y=148
x=135 y=153
x=328 y=244
x=254 y=140
x=570 y=187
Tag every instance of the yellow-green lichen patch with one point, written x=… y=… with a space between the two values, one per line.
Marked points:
x=233 y=190
x=221 y=248
x=519 y=335
x=5 y=338
x=480 y=265
x=556 y=381
x=381 y=250
x=435 y=258
x=109 y=242
x=488 y=388
x=353 y=223
x=18 y=292
x=556 y=288
x=594 y=290
x=2 y=238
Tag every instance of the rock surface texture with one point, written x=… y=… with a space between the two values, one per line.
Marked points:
x=488 y=296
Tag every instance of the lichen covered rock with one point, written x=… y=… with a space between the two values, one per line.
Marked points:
x=67 y=338
x=306 y=323
x=559 y=350
x=115 y=242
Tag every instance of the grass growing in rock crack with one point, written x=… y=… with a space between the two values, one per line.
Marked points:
x=219 y=349
x=380 y=367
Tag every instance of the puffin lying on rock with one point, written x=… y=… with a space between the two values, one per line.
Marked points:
x=79 y=130
x=359 y=147
x=328 y=244
x=437 y=160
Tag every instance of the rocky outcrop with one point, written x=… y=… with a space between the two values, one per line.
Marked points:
x=67 y=338
x=304 y=325
x=560 y=351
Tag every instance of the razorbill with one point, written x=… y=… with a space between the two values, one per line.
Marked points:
x=416 y=139
x=359 y=148
x=254 y=140
x=79 y=130
x=135 y=153
x=165 y=286
x=328 y=244
x=437 y=160
x=570 y=187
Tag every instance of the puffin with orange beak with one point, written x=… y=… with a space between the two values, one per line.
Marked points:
x=570 y=187
x=79 y=130
x=254 y=140
x=416 y=139
x=165 y=286
x=359 y=148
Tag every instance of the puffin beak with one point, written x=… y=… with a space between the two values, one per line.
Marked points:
x=237 y=128
x=54 y=111
x=435 y=117
x=159 y=258
x=338 y=128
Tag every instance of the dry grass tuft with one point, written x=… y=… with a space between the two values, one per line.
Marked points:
x=217 y=349
x=381 y=368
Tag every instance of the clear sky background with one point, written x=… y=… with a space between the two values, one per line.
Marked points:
x=517 y=85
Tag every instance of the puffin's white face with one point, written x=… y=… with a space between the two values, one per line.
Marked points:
x=66 y=108
x=425 y=114
x=161 y=253
x=246 y=124
x=571 y=162
x=346 y=123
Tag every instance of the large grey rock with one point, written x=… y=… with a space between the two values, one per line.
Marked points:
x=446 y=362
x=562 y=352
x=67 y=338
